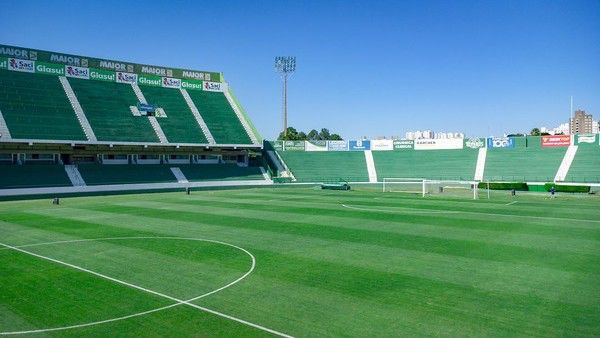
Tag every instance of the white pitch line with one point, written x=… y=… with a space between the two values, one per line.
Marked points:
x=178 y=301
x=511 y=203
x=402 y=210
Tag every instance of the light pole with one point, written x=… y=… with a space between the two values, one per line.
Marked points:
x=285 y=66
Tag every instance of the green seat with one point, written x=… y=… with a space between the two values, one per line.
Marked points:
x=327 y=166
x=523 y=164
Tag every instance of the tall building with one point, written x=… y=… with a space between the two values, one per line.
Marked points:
x=581 y=123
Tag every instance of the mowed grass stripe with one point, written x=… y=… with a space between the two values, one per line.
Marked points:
x=318 y=224
x=402 y=215
x=547 y=283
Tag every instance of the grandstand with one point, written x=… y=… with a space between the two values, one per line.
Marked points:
x=68 y=120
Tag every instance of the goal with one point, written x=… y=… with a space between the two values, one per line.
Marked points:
x=425 y=187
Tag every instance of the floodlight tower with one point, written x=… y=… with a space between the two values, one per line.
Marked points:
x=285 y=66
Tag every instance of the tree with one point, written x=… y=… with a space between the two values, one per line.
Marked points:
x=324 y=134
x=335 y=137
x=313 y=135
x=535 y=132
x=292 y=135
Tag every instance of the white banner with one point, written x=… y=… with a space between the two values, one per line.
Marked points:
x=123 y=77
x=78 y=72
x=169 y=82
x=382 y=144
x=21 y=65
x=432 y=144
x=315 y=145
x=213 y=86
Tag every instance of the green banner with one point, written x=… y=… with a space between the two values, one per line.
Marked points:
x=102 y=75
x=276 y=145
x=191 y=84
x=404 y=144
x=586 y=139
x=150 y=80
x=3 y=62
x=49 y=68
x=88 y=62
x=474 y=143
x=293 y=145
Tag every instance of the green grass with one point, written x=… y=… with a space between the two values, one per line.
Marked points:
x=396 y=265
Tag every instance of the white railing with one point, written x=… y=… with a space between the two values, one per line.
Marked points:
x=480 y=167
x=565 y=165
x=198 y=116
x=83 y=121
x=4 y=132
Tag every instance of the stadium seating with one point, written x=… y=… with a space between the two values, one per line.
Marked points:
x=219 y=172
x=523 y=164
x=430 y=164
x=97 y=174
x=220 y=118
x=327 y=166
x=32 y=176
x=106 y=105
x=586 y=165
x=179 y=126
x=35 y=106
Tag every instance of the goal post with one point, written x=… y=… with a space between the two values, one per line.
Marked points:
x=426 y=187
x=405 y=185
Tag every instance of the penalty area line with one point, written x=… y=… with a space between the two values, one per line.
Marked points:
x=156 y=293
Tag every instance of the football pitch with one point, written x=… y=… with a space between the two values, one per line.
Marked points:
x=300 y=262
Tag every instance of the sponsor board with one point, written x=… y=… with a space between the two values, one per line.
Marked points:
x=359 y=145
x=169 y=82
x=150 y=80
x=49 y=68
x=315 y=145
x=276 y=145
x=123 y=77
x=337 y=145
x=556 y=140
x=191 y=84
x=293 y=145
x=213 y=86
x=404 y=144
x=434 y=144
x=585 y=139
x=3 y=62
x=20 y=65
x=77 y=72
x=475 y=143
x=382 y=144
x=500 y=142
x=88 y=62
x=102 y=75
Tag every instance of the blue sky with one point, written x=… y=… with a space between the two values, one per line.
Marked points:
x=364 y=68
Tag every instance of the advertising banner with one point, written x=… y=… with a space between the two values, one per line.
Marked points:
x=337 y=145
x=169 y=82
x=112 y=65
x=382 y=144
x=293 y=145
x=475 y=143
x=359 y=145
x=77 y=72
x=500 y=142
x=276 y=145
x=49 y=68
x=21 y=65
x=435 y=144
x=102 y=75
x=150 y=80
x=556 y=140
x=123 y=77
x=3 y=62
x=315 y=145
x=213 y=86
x=191 y=84
x=585 y=139
x=404 y=144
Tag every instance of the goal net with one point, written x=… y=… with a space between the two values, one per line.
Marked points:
x=425 y=187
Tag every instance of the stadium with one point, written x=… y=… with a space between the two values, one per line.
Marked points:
x=141 y=200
